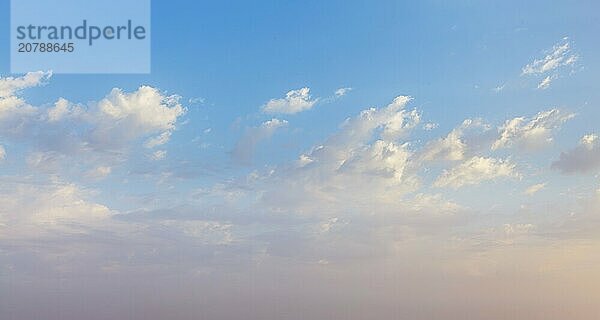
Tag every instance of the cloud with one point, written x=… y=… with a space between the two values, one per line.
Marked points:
x=14 y=111
x=2 y=153
x=389 y=123
x=475 y=171
x=545 y=83
x=457 y=143
x=582 y=159
x=430 y=126
x=62 y=109
x=367 y=164
x=95 y=134
x=560 y=55
x=9 y=86
x=159 y=155
x=534 y=189
x=123 y=117
x=533 y=133
x=159 y=140
x=245 y=147
x=295 y=101
x=450 y=148
x=342 y=92
x=32 y=211
x=99 y=172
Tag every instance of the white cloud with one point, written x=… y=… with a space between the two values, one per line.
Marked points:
x=67 y=139
x=245 y=147
x=197 y=100
x=15 y=113
x=430 y=126
x=560 y=55
x=62 y=109
x=393 y=122
x=399 y=124
x=342 y=92
x=31 y=211
x=112 y=123
x=450 y=148
x=123 y=117
x=475 y=171
x=531 y=134
x=545 y=83
x=454 y=146
x=295 y=101
x=2 y=153
x=584 y=158
x=534 y=189
x=9 y=85
x=159 y=140
x=159 y=155
x=589 y=140
x=100 y=172
x=366 y=165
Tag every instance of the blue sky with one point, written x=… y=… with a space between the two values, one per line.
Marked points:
x=304 y=149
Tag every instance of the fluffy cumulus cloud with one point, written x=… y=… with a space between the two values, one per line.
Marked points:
x=475 y=171
x=122 y=117
x=531 y=133
x=98 y=134
x=582 y=159
x=63 y=109
x=294 y=101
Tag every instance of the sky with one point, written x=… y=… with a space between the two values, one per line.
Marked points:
x=312 y=160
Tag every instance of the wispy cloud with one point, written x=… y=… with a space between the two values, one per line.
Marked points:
x=545 y=83
x=342 y=91
x=560 y=55
x=534 y=189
